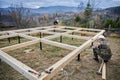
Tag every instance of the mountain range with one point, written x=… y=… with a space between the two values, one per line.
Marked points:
x=58 y=9
x=46 y=10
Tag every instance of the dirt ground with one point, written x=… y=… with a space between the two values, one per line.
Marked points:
x=83 y=70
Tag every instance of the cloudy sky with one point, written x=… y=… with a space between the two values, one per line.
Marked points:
x=45 y=3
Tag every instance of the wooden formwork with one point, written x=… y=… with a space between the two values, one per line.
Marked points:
x=55 y=32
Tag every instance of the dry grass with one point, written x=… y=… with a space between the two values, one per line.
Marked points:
x=70 y=41
x=14 y=40
x=83 y=70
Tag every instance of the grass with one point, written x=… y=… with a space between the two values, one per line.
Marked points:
x=14 y=40
x=42 y=35
x=70 y=41
x=79 y=34
x=42 y=59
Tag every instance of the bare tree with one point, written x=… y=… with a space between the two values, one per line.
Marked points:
x=20 y=15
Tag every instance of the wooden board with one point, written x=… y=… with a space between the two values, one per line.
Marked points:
x=64 y=61
x=17 y=65
x=23 y=69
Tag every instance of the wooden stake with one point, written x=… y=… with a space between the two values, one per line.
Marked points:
x=72 y=34
x=40 y=35
x=8 y=38
x=40 y=45
x=104 y=71
x=18 y=39
x=78 y=57
x=43 y=34
x=60 y=39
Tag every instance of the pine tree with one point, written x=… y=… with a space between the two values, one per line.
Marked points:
x=88 y=10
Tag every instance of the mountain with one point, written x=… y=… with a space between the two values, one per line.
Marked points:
x=114 y=10
x=48 y=10
x=57 y=9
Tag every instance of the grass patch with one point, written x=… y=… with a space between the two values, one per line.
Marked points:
x=69 y=28
x=13 y=40
x=70 y=41
x=39 y=59
x=42 y=35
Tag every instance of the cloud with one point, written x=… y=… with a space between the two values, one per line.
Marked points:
x=44 y=3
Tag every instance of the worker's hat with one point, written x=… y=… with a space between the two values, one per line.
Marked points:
x=101 y=37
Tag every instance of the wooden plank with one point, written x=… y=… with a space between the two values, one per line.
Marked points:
x=8 y=36
x=91 y=29
x=17 y=65
x=27 y=37
x=53 y=36
x=104 y=71
x=75 y=36
x=86 y=33
x=57 y=44
x=64 y=61
x=13 y=47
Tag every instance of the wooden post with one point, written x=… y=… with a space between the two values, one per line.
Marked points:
x=8 y=38
x=40 y=35
x=40 y=45
x=54 y=30
x=60 y=39
x=72 y=34
x=104 y=71
x=43 y=34
x=0 y=60
x=18 y=39
x=78 y=57
x=41 y=42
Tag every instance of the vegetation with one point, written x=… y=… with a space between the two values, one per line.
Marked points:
x=21 y=16
x=110 y=23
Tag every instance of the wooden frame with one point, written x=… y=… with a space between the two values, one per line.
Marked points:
x=23 y=69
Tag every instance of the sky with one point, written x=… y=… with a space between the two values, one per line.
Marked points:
x=46 y=3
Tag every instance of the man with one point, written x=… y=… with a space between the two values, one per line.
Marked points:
x=102 y=49
x=56 y=22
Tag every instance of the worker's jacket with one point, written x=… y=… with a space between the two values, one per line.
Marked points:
x=104 y=50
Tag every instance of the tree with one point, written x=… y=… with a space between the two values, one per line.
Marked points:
x=20 y=15
x=88 y=10
x=77 y=21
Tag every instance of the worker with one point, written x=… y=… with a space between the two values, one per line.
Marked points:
x=102 y=49
x=56 y=22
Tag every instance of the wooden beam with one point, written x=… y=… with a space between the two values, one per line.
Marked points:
x=57 y=44
x=104 y=71
x=78 y=37
x=86 y=33
x=64 y=61
x=17 y=65
x=27 y=37
x=8 y=36
x=13 y=47
x=53 y=36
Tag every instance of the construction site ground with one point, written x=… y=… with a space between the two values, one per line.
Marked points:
x=41 y=59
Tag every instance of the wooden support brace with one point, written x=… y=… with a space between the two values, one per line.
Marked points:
x=72 y=34
x=17 y=65
x=86 y=33
x=57 y=44
x=104 y=71
x=18 y=39
x=7 y=36
x=64 y=61
x=40 y=45
x=78 y=37
x=40 y=35
x=13 y=47
x=60 y=39
x=78 y=57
